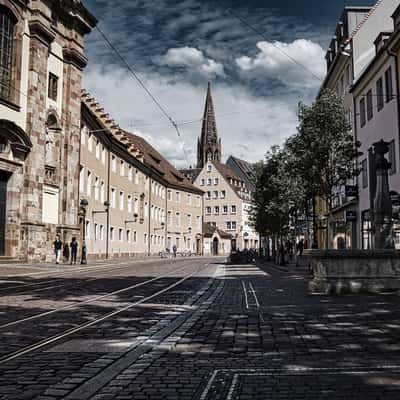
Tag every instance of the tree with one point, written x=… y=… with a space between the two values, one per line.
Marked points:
x=324 y=148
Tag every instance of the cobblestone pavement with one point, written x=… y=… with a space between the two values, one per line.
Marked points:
x=226 y=332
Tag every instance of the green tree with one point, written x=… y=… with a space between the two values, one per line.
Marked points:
x=324 y=148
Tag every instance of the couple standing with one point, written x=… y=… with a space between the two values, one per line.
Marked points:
x=58 y=245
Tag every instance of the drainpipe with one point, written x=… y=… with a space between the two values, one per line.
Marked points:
x=108 y=202
x=149 y=215
x=166 y=218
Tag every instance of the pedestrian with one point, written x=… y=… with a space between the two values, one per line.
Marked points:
x=66 y=253
x=282 y=253
x=300 y=247
x=57 y=249
x=174 y=249
x=74 y=250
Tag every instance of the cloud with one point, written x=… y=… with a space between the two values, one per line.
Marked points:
x=242 y=118
x=298 y=63
x=193 y=59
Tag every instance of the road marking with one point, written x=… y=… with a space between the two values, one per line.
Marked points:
x=245 y=295
x=254 y=294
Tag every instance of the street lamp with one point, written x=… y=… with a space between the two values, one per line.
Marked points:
x=84 y=205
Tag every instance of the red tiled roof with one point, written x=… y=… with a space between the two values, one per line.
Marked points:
x=156 y=161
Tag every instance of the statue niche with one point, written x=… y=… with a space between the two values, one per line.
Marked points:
x=52 y=146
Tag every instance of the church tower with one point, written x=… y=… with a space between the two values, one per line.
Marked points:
x=209 y=146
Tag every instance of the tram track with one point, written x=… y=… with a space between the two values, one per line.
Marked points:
x=73 y=273
x=101 y=318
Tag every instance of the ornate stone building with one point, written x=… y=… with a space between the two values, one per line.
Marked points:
x=41 y=63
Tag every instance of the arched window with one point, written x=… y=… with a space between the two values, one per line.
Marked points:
x=7 y=24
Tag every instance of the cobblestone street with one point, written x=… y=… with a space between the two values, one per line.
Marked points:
x=191 y=329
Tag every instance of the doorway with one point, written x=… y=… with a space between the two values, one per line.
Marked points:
x=3 y=207
x=215 y=247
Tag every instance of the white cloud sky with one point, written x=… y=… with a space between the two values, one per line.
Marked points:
x=273 y=63
x=193 y=59
x=247 y=125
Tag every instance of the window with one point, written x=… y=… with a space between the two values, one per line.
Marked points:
x=121 y=200
x=209 y=180
x=189 y=220
x=53 y=87
x=362 y=112
x=233 y=225
x=95 y=231
x=228 y=225
x=136 y=206
x=122 y=169
x=202 y=182
x=216 y=210
x=50 y=205
x=169 y=218
x=209 y=168
x=90 y=142
x=225 y=210
x=128 y=236
x=87 y=229
x=392 y=157
x=120 y=234
x=198 y=201
x=113 y=197
x=388 y=84
x=103 y=155
x=111 y=233
x=379 y=94
x=189 y=199
x=215 y=194
x=208 y=195
x=370 y=112
x=129 y=203
x=101 y=232
x=145 y=238
x=178 y=197
x=178 y=220
x=208 y=210
x=81 y=179
x=364 y=173
x=98 y=148
x=178 y=242
x=137 y=177
x=96 y=188
x=216 y=181
x=102 y=199
x=89 y=184
x=134 y=236
x=169 y=195
x=198 y=222
x=114 y=163
x=233 y=209
x=223 y=194
x=6 y=49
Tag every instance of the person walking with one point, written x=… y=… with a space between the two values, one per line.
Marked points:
x=74 y=250
x=57 y=249
x=174 y=249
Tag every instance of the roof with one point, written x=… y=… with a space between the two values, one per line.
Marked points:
x=209 y=230
x=228 y=173
x=157 y=162
x=191 y=173
x=246 y=169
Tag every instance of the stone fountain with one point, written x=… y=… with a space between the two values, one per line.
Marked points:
x=353 y=271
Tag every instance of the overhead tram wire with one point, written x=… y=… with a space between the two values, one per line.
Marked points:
x=135 y=75
x=254 y=29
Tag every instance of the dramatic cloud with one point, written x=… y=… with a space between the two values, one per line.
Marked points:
x=193 y=59
x=244 y=121
x=299 y=63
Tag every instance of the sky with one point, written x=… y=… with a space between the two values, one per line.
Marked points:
x=176 y=47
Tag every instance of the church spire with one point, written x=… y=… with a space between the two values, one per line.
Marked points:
x=209 y=146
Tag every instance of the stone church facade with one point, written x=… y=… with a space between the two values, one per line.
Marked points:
x=40 y=104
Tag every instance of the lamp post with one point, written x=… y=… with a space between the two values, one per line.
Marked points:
x=84 y=205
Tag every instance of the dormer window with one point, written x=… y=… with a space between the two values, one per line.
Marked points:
x=7 y=24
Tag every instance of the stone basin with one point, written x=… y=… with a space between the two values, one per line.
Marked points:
x=353 y=271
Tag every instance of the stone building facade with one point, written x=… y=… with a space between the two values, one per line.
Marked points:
x=138 y=203
x=227 y=200
x=40 y=104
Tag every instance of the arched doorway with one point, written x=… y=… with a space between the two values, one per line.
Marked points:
x=215 y=245
x=341 y=244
